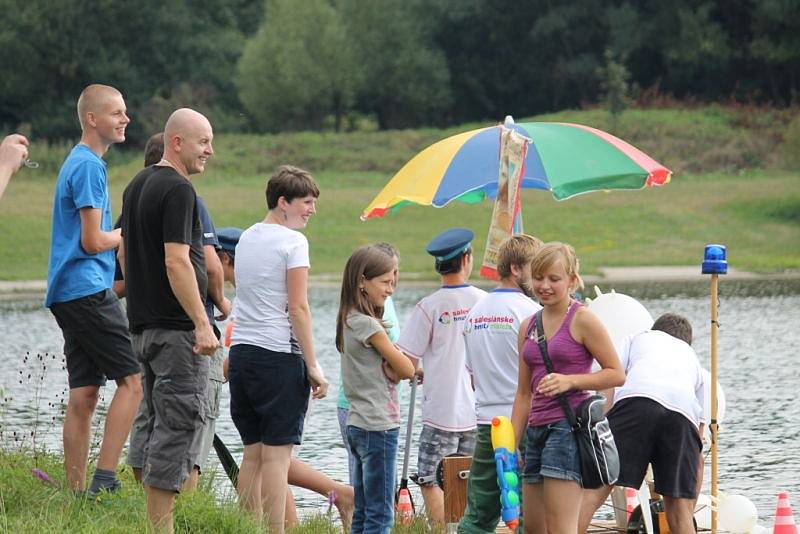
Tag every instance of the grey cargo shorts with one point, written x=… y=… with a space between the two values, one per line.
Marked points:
x=175 y=383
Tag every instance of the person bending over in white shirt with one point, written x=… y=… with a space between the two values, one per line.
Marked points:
x=658 y=418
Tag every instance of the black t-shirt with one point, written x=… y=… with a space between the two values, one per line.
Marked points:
x=159 y=206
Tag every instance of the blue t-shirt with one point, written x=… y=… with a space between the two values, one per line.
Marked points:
x=209 y=239
x=72 y=273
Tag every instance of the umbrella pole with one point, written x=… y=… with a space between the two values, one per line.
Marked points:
x=713 y=427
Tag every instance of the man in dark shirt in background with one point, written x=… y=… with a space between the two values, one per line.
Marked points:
x=162 y=257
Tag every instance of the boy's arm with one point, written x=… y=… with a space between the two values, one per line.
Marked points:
x=93 y=238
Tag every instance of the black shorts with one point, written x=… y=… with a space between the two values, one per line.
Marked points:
x=97 y=343
x=647 y=432
x=269 y=395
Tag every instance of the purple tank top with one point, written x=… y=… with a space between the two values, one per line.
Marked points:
x=569 y=358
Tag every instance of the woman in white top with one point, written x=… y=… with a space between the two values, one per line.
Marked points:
x=272 y=359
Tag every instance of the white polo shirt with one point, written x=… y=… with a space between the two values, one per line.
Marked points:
x=433 y=333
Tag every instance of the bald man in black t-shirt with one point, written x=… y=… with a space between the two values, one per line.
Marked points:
x=163 y=263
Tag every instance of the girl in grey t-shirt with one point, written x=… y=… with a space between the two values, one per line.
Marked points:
x=374 y=419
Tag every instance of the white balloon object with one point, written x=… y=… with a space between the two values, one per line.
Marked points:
x=702 y=512
x=737 y=514
x=720 y=401
x=622 y=315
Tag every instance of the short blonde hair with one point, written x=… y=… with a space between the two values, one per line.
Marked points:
x=517 y=250
x=553 y=252
x=91 y=97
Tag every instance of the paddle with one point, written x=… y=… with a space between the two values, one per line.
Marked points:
x=227 y=460
x=407 y=451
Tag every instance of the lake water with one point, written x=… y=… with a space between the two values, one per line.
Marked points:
x=759 y=369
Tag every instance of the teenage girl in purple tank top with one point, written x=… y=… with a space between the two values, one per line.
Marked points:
x=575 y=337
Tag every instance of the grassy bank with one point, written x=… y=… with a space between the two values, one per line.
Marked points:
x=729 y=187
x=28 y=505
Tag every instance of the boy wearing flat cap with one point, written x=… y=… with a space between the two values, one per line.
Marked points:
x=228 y=238
x=434 y=335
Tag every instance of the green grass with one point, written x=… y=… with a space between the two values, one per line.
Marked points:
x=728 y=187
x=28 y=505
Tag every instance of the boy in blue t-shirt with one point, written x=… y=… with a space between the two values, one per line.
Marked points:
x=97 y=344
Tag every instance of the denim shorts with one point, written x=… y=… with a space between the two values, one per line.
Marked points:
x=552 y=452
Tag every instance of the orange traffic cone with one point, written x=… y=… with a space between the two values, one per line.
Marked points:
x=631 y=501
x=405 y=513
x=784 y=519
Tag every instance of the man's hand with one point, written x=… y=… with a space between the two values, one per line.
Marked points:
x=13 y=151
x=319 y=385
x=226 y=365
x=225 y=310
x=205 y=340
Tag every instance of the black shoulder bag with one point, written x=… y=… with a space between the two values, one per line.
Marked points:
x=596 y=446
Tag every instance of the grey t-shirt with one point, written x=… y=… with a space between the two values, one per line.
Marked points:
x=373 y=398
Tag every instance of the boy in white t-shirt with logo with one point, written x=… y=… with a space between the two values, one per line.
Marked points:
x=434 y=334
x=492 y=358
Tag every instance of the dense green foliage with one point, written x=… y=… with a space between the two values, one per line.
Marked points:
x=268 y=65
x=152 y=51
x=295 y=72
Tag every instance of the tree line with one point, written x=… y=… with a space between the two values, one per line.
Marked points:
x=274 y=65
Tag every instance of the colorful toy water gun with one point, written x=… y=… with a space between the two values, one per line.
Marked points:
x=505 y=458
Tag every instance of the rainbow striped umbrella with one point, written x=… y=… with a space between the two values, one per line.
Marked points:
x=566 y=159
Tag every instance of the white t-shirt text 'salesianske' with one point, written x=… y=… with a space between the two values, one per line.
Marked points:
x=490 y=335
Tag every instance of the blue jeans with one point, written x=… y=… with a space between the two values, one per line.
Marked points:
x=351 y=461
x=375 y=455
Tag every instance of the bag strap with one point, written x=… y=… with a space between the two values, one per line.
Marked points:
x=538 y=335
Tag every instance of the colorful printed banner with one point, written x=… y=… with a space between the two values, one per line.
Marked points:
x=507 y=215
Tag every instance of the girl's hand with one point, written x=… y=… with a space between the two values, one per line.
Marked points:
x=554 y=384
x=420 y=374
x=389 y=373
x=319 y=385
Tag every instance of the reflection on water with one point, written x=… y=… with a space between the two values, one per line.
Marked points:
x=759 y=369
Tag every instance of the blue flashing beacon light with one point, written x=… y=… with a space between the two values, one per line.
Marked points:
x=715 y=260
